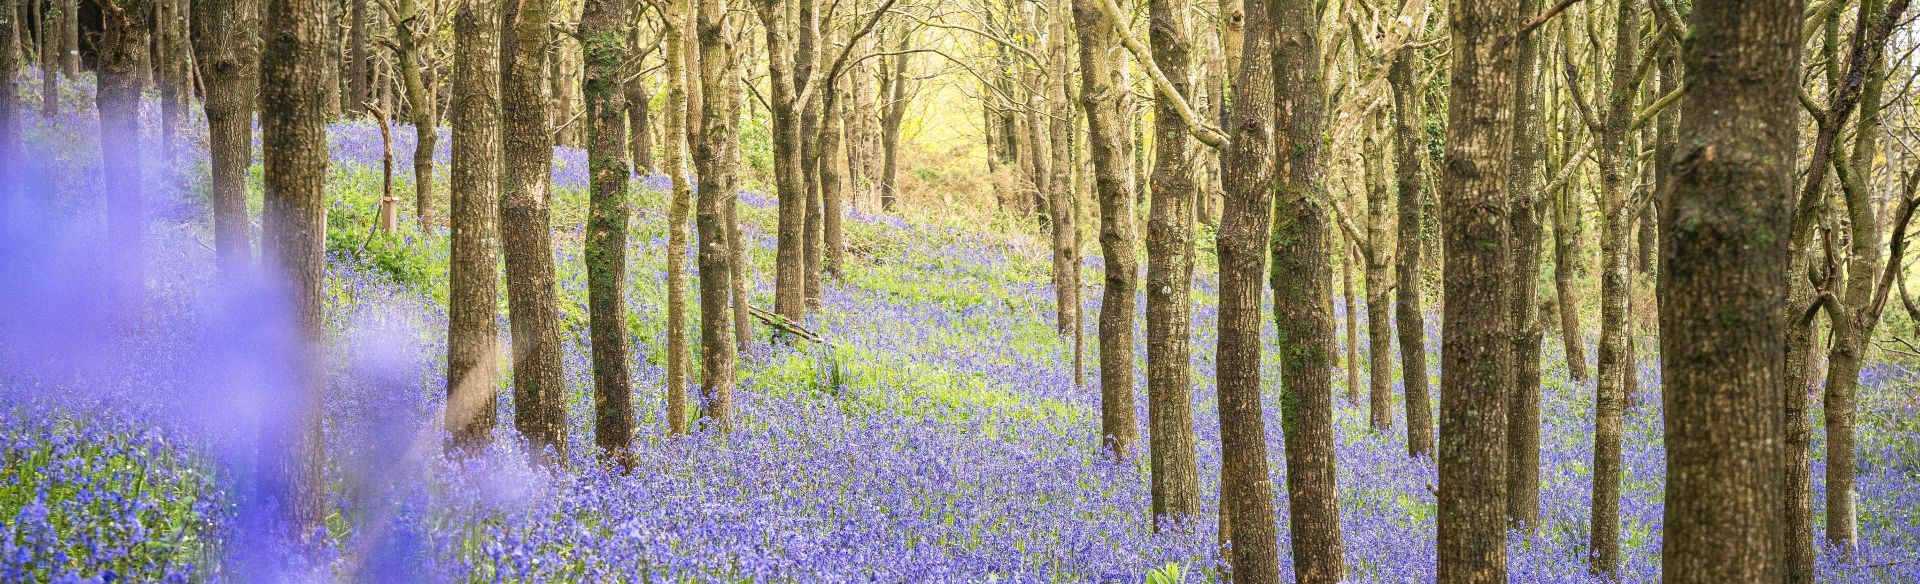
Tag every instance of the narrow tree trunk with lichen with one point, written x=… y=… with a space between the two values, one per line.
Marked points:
x=1302 y=282
x=1524 y=230
x=227 y=67
x=410 y=45
x=1170 y=250
x=1615 y=358
x=679 y=19
x=1409 y=137
x=713 y=162
x=1061 y=199
x=1379 y=284
x=603 y=42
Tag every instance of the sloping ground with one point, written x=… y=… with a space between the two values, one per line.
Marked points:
x=951 y=444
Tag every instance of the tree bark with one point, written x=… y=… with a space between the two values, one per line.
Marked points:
x=293 y=149
x=1722 y=268
x=1567 y=267
x=358 y=93
x=603 y=43
x=1170 y=248
x=1101 y=101
x=532 y=308
x=1615 y=353
x=789 y=296
x=226 y=48
x=1859 y=313
x=679 y=19
x=51 y=17
x=1348 y=252
x=171 y=56
x=1523 y=224
x=1379 y=284
x=894 y=91
x=1302 y=282
x=713 y=163
x=832 y=168
x=11 y=27
x=1246 y=485
x=639 y=113
x=1476 y=344
x=473 y=343
x=410 y=43
x=1409 y=137
x=1063 y=205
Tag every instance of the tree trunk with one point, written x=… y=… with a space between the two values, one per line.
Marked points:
x=70 y=38
x=171 y=75
x=1348 y=251
x=228 y=62
x=1170 y=249
x=603 y=42
x=1722 y=265
x=293 y=221
x=789 y=296
x=1477 y=342
x=1859 y=313
x=1062 y=201
x=640 y=115
x=11 y=27
x=1409 y=137
x=1102 y=105
x=567 y=75
x=51 y=18
x=1302 y=282
x=678 y=21
x=832 y=184
x=1379 y=284
x=526 y=233
x=1615 y=354
x=121 y=44
x=813 y=232
x=1246 y=485
x=358 y=61
x=473 y=343
x=713 y=163
x=409 y=45
x=1523 y=224
x=1567 y=266
x=894 y=111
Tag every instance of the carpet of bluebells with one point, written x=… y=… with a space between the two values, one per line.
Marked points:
x=942 y=437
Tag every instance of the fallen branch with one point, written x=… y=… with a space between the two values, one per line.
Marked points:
x=780 y=323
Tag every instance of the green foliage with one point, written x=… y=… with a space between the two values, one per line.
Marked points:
x=70 y=476
x=410 y=257
x=756 y=145
x=1168 y=574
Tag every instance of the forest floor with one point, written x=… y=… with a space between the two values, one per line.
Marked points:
x=941 y=437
